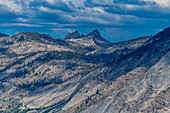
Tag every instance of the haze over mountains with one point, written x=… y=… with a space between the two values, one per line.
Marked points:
x=84 y=73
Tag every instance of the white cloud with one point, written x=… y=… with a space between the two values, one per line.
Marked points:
x=48 y=10
x=19 y=24
x=17 y=6
x=103 y=2
x=162 y=3
x=77 y=3
x=133 y=7
x=51 y=1
x=80 y=3
x=11 y=5
x=100 y=10
x=21 y=20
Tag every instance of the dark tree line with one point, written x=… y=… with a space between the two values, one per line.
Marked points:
x=39 y=83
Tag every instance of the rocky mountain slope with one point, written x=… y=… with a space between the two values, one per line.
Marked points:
x=84 y=73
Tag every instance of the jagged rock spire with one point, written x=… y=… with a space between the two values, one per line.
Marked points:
x=73 y=35
x=96 y=32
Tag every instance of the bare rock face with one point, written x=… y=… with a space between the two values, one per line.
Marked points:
x=84 y=74
x=98 y=40
x=73 y=35
x=148 y=92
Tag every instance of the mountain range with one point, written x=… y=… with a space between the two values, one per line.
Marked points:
x=92 y=39
x=84 y=74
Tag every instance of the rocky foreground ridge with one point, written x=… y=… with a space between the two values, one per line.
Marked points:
x=84 y=73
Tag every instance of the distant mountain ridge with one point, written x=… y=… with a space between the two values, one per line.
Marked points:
x=3 y=35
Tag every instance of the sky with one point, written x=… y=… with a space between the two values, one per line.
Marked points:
x=117 y=20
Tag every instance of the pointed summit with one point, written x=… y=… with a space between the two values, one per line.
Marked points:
x=76 y=32
x=82 y=35
x=96 y=32
x=73 y=35
x=98 y=40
